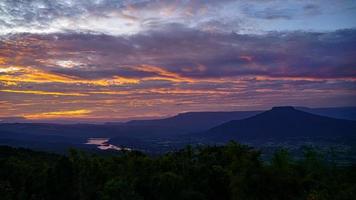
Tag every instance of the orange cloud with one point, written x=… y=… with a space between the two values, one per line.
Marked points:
x=14 y=75
x=2 y=61
x=37 y=92
x=59 y=114
x=163 y=74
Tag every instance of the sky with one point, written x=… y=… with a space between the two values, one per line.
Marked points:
x=107 y=60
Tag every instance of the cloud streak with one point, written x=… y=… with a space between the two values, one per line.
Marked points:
x=44 y=92
x=59 y=114
x=18 y=75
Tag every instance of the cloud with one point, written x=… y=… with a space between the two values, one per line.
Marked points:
x=126 y=17
x=44 y=92
x=270 y=13
x=177 y=61
x=162 y=74
x=17 y=75
x=175 y=54
x=312 y=9
x=59 y=114
x=105 y=16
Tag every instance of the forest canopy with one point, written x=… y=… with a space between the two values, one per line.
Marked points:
x=232 y=171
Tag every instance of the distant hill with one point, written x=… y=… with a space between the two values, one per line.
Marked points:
x=281 y=122
x=334 y=112
x=178 y=130
x=195 y=121
x=192 y=120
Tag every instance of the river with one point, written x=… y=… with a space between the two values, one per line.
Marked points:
x=102 y=143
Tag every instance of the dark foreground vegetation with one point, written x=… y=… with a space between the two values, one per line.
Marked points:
x=227 y=172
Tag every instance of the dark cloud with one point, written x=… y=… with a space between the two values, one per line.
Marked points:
x=273 y=13
x=312 y=9
x=191 y=53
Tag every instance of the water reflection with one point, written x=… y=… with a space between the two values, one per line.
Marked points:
x=102 y=143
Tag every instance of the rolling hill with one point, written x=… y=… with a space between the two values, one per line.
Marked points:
x=195 y=121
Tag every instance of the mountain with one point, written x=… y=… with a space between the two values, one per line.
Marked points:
x=195 y=121
x=334 y=112
x=177 y=131
x=280 y=123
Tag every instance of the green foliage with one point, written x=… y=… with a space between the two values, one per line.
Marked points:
x=119 y=189
x=232 y=171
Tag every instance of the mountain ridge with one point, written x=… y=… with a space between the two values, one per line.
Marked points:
x=280 y=122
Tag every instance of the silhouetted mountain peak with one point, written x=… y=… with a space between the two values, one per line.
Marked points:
x=283 y=113
x=283 y=108
x=282 y=122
